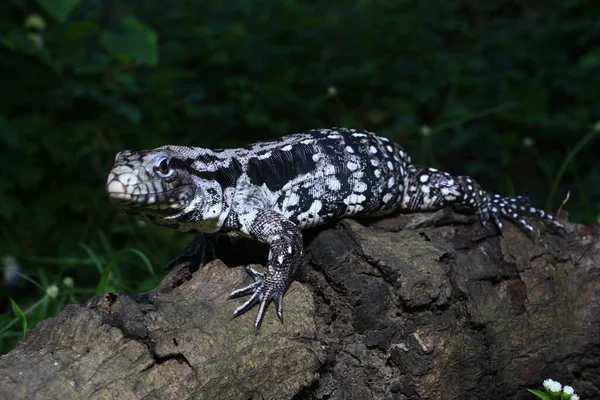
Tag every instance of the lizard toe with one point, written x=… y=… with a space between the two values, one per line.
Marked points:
x=265 y=288
x=258 y=277
x=251 y=302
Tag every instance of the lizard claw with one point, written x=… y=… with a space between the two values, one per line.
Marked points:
x=514 y=208
x=485 y=217
x=266 y=287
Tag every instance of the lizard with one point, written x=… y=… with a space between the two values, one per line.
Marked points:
x=269 y=191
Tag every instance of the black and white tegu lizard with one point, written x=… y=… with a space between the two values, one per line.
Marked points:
x=269 y=191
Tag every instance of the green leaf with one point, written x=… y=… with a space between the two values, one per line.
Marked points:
x=590 y=60
x=19 y=314
x=59 y=9
x=34 y=22
x=540 y=394
x=24 y=43
x=18 y=41
x=80 y=31
x=136 y=42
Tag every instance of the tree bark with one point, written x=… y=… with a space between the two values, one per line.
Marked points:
x=422 y=306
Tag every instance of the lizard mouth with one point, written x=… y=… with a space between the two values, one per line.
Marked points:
x=148 y=195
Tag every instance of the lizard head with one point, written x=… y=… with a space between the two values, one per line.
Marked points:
x=175 y=186
x=152 y=181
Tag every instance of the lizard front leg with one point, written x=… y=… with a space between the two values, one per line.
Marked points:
x=285 y=255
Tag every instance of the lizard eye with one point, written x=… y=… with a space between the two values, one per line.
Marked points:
x=162 y=167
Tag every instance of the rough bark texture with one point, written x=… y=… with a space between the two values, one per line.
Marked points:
x=400 y=309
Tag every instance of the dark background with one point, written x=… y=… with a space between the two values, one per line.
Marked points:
x=504 y=91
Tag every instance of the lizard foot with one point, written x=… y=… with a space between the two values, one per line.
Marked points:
x=266 y=287
x=197 y=253
x=516 y=209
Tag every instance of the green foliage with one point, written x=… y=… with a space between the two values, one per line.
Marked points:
x=106 y=272
x=137 y=43
x=502 y=91
x=554 y=390
x=59 y=9
x=53 y=293
x=19 y=314
x=540 y=394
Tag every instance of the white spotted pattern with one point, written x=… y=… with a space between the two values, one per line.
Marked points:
x=268 y=191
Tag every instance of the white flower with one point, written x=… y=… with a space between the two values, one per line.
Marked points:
x=574 y=397
x=552 y=386
x=52 y=291
x=68 y=282
x=548 y=382
x=568 y=390
x=11 y=270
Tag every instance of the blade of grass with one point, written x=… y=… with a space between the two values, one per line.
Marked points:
x=9 y=335
x=60 y=260
x=563 y=167
x=27 y=312
x=32 y=281
x=41 y=274
x=19 y=314
x=104 y=277
x=105 y=242
x=96 y=260
x=471 y=117
x=144 y=258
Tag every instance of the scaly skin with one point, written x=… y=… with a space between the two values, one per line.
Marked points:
x=269 y=191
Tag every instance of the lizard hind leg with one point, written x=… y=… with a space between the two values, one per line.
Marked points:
x=428 y=189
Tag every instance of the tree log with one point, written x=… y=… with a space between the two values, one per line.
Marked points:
x=421 y=306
